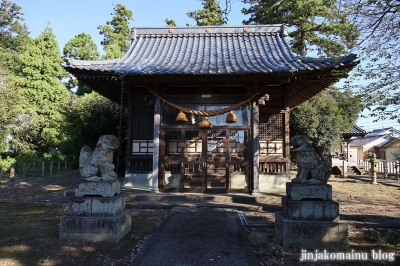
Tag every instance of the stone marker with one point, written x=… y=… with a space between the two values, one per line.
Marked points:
x=310 y=216
x=97 y=212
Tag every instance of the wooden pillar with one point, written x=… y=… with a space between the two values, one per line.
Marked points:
x=287 y=139
x=24 y=170
x=43 y=169
x=33 y=169
x=156 y=145
x=51 y=168
x=12 y=172
x=256 y=148
x=129 y=133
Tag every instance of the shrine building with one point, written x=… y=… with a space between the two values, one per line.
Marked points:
x=208 y=107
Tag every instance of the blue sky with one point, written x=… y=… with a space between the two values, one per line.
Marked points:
x=68 y=18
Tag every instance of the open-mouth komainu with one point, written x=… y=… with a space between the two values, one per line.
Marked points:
x=97 y=165
x=312 y=167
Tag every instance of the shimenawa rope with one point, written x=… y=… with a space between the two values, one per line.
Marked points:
x=206 y=113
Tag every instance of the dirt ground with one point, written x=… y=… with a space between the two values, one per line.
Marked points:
x=373 y=216
x=29 y=231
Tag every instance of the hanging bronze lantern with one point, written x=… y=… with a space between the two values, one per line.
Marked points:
x=181 y=117
x=205 y=123
x=231 y=118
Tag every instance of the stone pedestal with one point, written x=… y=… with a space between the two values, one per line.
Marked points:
x=311 y=218
x=101 y=188
x=96 y=213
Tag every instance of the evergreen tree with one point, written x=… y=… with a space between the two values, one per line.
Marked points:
x=13 y=34
x=10 y=106
x=117 y=33
x=80 y=47
x=170 y=22
x=317 y=24
x=13 y=41
x=210 y=15
x=89 y=117
x=38 y=80
x=324 y=118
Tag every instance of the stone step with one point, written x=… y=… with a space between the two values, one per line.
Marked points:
x=270 y=198
x=170 y=205
x=137 y=198
x=205 y=198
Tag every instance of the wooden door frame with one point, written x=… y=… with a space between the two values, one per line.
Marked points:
x=204 y=189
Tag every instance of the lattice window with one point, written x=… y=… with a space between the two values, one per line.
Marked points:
x=271 y=147
x=142 y=147
x=271 y=127
x=143 y=126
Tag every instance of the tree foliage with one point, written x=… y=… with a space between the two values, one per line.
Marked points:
x=117 y=33
x=325 y=117
x=315 y=25
x=80 y=47
x=13 y=34
x=170 y=22
x=91 y=116
x=38 y=81
x=10 y=106
x=13 y=41
x=210 y=15
x=377 y=78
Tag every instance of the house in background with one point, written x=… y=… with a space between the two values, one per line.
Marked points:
x=390 y=150
x=381 y=142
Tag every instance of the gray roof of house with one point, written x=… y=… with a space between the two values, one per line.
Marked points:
x=389 y=142
x=383 y=132
x=257 y=49
x=363 y=141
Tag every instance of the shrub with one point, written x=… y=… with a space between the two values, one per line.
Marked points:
x=5 y=163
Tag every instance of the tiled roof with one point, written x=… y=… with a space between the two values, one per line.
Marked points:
x=258 y=49
x=356 y=130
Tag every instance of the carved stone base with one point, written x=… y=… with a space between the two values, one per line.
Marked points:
x=91 y=228
x=309 y=210
x=101 y=188
x=96 y=206
x=311 y=234
x=296 y=191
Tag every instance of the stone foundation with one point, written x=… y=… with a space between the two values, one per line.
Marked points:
x=97 y=213
x=100 y=188
x=91 y=228
x=310 y=217
x=311 y=234
x=276 y=180
x=96 y=206
x=297 y=191
x=307 y=210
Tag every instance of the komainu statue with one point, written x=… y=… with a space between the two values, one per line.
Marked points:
x=97 y=165
x=312 y=167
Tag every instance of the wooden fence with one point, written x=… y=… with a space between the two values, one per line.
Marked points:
x=383 y=167
x=38 y=169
